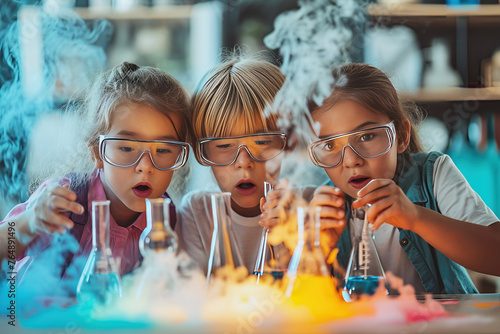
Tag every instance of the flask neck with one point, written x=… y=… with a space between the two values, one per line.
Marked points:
x=100 y=226
x=157 y=214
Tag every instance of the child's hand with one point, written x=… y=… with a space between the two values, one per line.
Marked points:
x=389 y=204
x=331 y=200
x=274 y=206
x=46 y=212
x=332 y=203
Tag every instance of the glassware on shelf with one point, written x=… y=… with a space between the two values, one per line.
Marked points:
x=224 y=249
x=271 y=259
x=157 y=236
x=100 y=280
x=364 y=270
x=158 y=246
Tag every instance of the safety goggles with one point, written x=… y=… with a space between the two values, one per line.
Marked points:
x=164 y=154
x=367 y=143
x=224 y=151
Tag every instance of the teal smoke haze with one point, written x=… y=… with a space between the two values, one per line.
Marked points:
x=72 y=52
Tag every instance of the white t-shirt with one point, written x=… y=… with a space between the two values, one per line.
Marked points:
x=455 y=199
x=194 y=229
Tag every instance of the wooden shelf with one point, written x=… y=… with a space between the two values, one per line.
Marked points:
x=455 y=94
x=415 y=9
x=181 y=12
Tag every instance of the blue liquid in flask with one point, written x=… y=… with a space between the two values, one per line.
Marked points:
x=359 y=285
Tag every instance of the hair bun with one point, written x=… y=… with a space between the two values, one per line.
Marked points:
x=125 y=69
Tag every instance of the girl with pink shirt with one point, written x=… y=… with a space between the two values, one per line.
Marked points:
x=136 y=128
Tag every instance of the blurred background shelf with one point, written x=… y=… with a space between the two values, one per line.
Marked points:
x=426 y=10
x=179 y=12
x=455 y=94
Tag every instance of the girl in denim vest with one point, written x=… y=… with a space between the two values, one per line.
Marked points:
x=429 y=224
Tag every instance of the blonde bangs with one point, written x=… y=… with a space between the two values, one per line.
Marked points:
x=242 y=110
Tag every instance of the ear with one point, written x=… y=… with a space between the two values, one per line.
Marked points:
x=96 y=157
x=404 y=136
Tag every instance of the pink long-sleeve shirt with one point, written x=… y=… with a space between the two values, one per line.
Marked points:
x=123 y=241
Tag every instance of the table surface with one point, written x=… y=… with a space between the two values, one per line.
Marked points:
x=474 y=313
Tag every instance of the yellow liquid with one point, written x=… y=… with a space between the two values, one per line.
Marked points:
x=319 y=295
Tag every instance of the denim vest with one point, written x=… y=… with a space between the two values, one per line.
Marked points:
x=438 y=273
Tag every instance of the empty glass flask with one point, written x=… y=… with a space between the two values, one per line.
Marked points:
x=224 y=249
x=100 y=281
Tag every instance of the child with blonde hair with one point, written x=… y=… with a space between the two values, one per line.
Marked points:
x=236 y=136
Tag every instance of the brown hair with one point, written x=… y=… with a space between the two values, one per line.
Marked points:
x=131 y=83
x=370 y=87
x=239 y=90
x=124 y=83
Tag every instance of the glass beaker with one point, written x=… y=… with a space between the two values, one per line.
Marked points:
x=364 y=270
x=224 y=249
x=271 y=259
x=158 y=246
x=157 y=236
x=99 y=281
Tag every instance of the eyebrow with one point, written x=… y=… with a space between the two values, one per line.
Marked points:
x=133 y=134
x=362 y=125
x=359 y=127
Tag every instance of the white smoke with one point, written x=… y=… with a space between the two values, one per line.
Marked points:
x=311 y=40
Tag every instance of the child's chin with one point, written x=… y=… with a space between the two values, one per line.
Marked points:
x=137 y=207
x=248 y=203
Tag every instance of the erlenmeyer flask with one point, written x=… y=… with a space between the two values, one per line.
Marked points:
x=308 y=281
x=307 y=259
x=271 y=259
x=364 y=270
x=99 y=281
x=224 y=249
x=158 y=246
x=157 y=236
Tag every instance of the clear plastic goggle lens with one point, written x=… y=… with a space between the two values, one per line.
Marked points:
x=367 y=144
x=224 y=151
x=126 y=153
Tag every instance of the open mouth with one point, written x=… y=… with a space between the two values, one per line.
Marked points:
x=142 y=190
x=246 y=185
x=359 y=182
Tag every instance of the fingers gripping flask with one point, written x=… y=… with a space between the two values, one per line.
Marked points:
x=99 y=281
x=364 y=271
x=271 y=259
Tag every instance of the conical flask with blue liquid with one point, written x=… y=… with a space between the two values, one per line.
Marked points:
x=100 y=281
x=364 y=271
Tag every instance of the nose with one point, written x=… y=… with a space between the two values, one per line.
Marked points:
x=145 y=163
x=243 y=159
x=351 y=158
